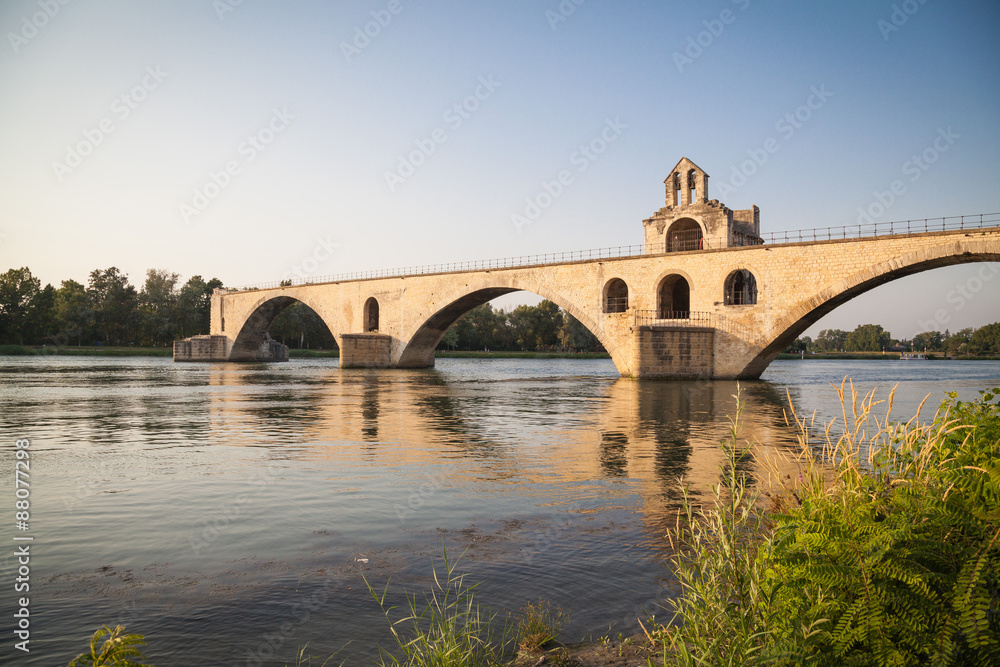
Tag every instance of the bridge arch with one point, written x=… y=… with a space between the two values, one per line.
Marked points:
x=418 y=346
x=254 y=329
x=808 y=311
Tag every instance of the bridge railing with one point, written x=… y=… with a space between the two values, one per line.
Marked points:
x=697 y=319
x=687 y=242
x=892 y=228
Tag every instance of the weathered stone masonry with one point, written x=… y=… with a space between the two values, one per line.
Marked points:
x=723 y=309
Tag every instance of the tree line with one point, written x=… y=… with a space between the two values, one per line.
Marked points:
x=544 y=327
x=109 y=310
x=984 y=340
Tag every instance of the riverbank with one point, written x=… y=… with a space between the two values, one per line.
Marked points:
x=931 y=356
x=110 y=351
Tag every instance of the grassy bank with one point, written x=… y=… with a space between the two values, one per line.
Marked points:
x=884 y=550
x=85 y=351
x=931 y=356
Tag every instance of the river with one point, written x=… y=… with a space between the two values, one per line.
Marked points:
x=231 y=513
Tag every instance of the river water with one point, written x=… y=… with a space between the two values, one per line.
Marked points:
x=232 y=513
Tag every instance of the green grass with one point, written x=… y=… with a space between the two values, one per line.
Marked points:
x=884 y=550
x=447 y=628
x=539 y=624
x=117 y=650
x=86 y=351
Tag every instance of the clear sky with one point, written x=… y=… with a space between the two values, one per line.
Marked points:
x=253 y=140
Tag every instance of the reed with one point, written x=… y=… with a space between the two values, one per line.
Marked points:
x=884 y=550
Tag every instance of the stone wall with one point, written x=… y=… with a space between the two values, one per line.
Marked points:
x=202 y=348
x=366 y=350
x=680 y=353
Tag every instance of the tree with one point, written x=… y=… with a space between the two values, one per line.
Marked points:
x=115 y=303
x=986 y=340
x=831 y=340
x=158 y=306
x=929 y=341
x=194 y=305
x=868 y=338
x=958 y=342
x=41 y=322
x=576 y=337
x=74 y=314
x=18 y=289
x=799 y=345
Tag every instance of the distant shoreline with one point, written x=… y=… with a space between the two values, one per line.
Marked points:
x=111 y=351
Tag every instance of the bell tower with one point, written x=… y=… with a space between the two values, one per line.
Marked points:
x=692 y=221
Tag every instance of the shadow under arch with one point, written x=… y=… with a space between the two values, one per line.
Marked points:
x=255 y=330
x=809 y=311
x=419 y=349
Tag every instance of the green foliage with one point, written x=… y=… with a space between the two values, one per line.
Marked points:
x=831 y=340
x=544 y=327
x=887 y=552
x=299 y=327
x=986 y=340
x=118 y=650
x=538 y=624
x=868 y=338
x=447 y=629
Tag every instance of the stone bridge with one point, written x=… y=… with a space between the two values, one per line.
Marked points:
x=705 y=297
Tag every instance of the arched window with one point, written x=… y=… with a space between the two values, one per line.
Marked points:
x=616 y=296
x=692 y=184
x=676 y=184
x=684 y=234
x=741 y=288
x=674 y=298
x=371 y=314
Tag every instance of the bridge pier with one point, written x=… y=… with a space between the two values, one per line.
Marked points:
x=674 y=352
x=366 y=350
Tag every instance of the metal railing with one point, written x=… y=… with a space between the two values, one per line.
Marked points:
x=877 y=229
x=695 y=319
x=953 y=223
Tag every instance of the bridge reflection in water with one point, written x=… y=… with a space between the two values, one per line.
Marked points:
x=467 y=431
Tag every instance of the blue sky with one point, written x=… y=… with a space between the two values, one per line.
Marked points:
x=252 y=140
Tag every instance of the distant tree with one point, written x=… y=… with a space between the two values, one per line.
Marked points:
x=986 y=340
x=299 y=327
x=831 y=340
x=18 y=289
x=574 y=336
x=158 y=306
x=958 y=342
x=194 y=306
x=798 y=345
x=74 y=314
x=868 y=338
x=115 y=304
x=450 y=339
x=930 y=341
x=42 y=315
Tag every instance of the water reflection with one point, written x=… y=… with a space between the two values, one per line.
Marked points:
x=206 y=497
